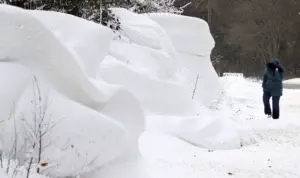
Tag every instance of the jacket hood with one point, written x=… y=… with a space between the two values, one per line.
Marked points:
x=275 y=64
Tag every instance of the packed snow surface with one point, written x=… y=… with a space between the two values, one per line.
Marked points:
x=292 y=83
x=146 y=105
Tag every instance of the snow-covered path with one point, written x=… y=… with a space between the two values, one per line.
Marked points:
x=270 y=147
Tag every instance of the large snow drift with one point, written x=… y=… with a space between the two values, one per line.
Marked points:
x=98 y=89
x=25 y=40
x=166 y=92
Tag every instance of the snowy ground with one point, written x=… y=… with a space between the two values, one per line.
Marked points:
x=271 y=147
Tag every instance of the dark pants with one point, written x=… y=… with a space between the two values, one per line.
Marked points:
x=275 y=105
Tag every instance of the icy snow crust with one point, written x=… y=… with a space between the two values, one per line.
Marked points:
x=101 y=91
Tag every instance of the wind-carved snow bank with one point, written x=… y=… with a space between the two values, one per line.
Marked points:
x=78 y=35
x=143 y=67
x=193 y=43
x=98 y=89
x=100 y=122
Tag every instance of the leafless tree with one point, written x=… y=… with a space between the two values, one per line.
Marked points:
x=30 y=151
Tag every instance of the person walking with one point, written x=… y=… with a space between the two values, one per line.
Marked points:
x=272 y=88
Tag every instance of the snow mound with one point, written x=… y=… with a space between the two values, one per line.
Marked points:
x=292 y=83
x=227 y=80
x=206 y=132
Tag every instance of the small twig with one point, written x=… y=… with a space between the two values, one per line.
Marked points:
x=195 y=86
x=184 y=6
x=1 y=159
x=29 y=167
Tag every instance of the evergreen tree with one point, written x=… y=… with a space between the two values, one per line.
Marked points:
x=98 y=10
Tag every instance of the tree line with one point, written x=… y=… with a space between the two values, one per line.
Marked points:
x=98 y=10
x=249 y=33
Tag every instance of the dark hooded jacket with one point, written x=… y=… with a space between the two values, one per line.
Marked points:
x=273 y=76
